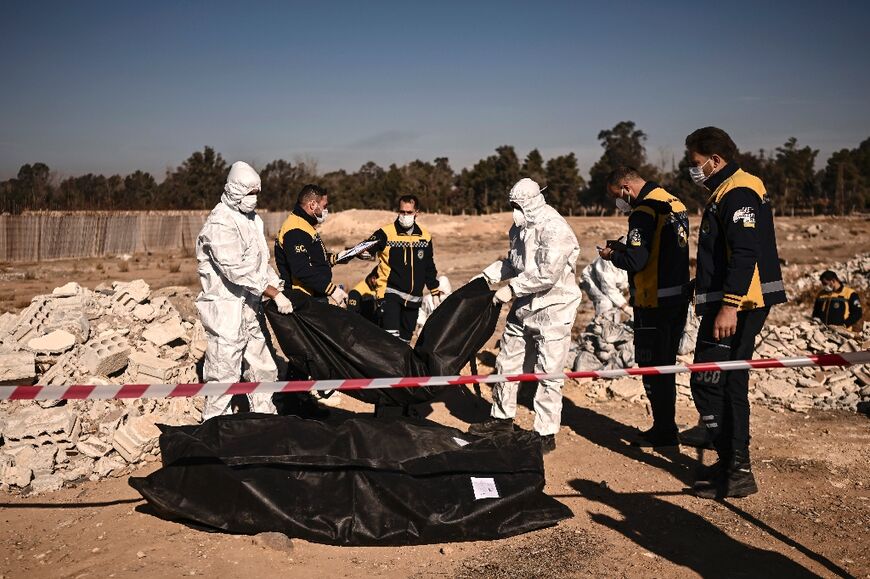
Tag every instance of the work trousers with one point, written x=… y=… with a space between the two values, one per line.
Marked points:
x=722 y=398
x=657 y=333
x=398 y=318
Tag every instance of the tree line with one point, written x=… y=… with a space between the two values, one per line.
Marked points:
x=842 y=186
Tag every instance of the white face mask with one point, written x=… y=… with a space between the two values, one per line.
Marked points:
x=406 y=221
x=519 y=218
x=322 y=217
x=248 y=203
x=622 y=205
x=697 y=173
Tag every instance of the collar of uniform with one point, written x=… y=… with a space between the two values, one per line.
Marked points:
x=644 y=191
x=415 y=230
x=298 y=211
x=717 y=179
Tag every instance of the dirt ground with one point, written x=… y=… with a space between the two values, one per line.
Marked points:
x=631 y=515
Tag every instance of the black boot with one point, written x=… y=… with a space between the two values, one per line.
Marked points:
x=491 y=426
x=736 y=481
x=657 y=437
x=548 y=443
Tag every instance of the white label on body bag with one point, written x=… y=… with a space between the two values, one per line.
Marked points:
x=484 y=488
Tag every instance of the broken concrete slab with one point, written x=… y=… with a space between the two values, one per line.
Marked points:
x=162 y=334
x=55 y=342
x=149 y=369
x=144 y=312
x=67 y=290
x=32 y=421
x=93 y=447
x=17 y=367
x=108 y=466
x=781 y=390
x=129 y=294
x=625 y=389
x=136 y=437
x=14 y=473
x=106 y=355
x=45 y=483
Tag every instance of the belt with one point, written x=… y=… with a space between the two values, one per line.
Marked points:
x=404 y=296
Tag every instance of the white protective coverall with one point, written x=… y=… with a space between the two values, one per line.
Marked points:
x=604 y=283
x=234 y=271
x=428 y=306
x=541 y=267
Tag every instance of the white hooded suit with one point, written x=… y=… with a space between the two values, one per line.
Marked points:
x=233 y=267
x=541 y=267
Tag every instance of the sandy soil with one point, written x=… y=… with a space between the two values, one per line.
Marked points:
x=631 y=516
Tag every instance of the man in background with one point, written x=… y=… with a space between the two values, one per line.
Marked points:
x=406 y=268
x=838 y=304
x=363 y=298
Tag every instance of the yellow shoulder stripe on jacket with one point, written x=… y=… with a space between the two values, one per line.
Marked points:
x=293 y=221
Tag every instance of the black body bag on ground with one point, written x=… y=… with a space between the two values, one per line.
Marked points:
x=325 y=342
x=364 y=481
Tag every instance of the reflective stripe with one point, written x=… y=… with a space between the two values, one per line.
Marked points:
x=667 y=292
x=766 y=288
x=404 y=296
x=772 y=286
x=709 y=297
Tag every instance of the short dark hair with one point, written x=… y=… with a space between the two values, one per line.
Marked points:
x=620 y=173
x=311 y=192
x=712 y=141
x=829 y=275
x=409 y=199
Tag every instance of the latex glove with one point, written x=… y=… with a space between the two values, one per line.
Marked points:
x=338 y=297
x=503 y=295
x=284 y=305
x=437 y=297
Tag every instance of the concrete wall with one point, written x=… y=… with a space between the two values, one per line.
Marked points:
x=60 y=235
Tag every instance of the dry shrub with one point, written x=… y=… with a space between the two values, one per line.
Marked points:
x=124 y=266
x=190 y=280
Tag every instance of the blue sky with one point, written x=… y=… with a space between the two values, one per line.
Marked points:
x=110 y=87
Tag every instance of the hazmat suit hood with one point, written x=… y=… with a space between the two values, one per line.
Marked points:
x=241 y=180
x=527 y=195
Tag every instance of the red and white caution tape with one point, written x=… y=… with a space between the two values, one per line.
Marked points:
x=117 y=391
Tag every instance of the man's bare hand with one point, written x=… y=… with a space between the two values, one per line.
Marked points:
x=725 y=324
x=606 y=253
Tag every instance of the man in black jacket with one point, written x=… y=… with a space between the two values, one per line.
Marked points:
x=738 y=280
x=838 y=304
x=407 y=265
x=656 y=257
x=302 y=260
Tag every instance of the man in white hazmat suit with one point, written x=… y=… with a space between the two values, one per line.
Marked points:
x=604 y=283
x=236 y=278
x=540 y=269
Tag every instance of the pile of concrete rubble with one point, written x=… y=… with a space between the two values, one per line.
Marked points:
x=855 y=273
x=117 y=333
x=607 y=345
